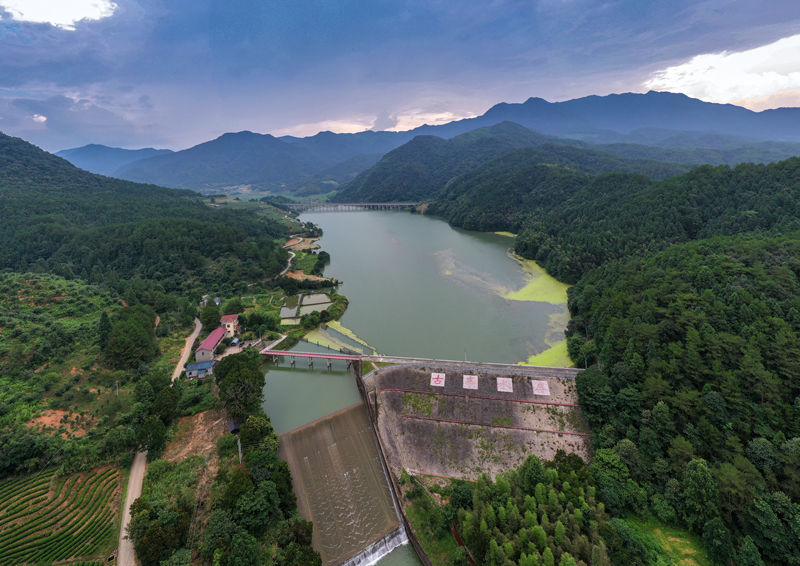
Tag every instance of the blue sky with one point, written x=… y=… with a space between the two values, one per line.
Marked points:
x=174 y=74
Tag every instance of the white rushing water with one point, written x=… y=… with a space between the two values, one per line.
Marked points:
x=373 y=553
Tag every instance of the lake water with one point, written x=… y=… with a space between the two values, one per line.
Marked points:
x=419 y=288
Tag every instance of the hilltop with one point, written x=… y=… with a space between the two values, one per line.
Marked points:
x=686 y=129
x=106 y=160
x=57 y=216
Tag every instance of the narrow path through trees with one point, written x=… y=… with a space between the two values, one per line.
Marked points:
x=125 y=554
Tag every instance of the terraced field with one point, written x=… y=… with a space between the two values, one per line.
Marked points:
x=44 y=518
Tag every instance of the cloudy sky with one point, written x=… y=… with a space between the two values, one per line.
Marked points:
x=176 y=73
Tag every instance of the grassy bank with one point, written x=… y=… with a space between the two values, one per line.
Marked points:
x=678 y=546
x=430 y=527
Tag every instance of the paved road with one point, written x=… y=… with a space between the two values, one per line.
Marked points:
x=126 y=555
x=288 y=265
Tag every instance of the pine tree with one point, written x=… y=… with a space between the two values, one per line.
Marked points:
x=748 y=554
x=103 y=330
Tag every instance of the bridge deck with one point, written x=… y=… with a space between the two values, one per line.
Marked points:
x=540 y=371
x=267 y=352
x=307 y=204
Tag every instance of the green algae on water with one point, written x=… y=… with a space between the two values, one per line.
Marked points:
x=541 y=287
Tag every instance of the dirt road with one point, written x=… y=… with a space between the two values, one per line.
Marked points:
x=187 y=348
x=288 y=264
x=126 y=556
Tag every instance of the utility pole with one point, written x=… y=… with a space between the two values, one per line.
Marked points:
x=118 y=388
x=239 y=443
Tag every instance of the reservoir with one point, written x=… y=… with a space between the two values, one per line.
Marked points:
x=418 y=288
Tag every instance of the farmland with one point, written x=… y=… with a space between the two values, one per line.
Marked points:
x=70 y=519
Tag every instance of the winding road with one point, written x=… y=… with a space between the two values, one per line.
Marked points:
x=288 y=264
x=125 y=554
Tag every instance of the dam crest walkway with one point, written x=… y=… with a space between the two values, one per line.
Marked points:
x=542 y=371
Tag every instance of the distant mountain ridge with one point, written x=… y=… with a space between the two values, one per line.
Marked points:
x=422 y=167
x=261 y=162
x=625 y=113
x=106 y=160
x=242 y=158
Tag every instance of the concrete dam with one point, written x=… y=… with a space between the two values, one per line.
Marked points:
x=346 y=465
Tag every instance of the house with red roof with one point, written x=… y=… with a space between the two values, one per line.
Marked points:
x=205 y=351
x=231 y=324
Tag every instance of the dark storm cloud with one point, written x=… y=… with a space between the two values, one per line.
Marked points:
x=199 y=68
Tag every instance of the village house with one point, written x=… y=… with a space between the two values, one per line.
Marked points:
x=205 y=351
x=231 y=324
x=200 y=370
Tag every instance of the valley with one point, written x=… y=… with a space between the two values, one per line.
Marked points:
x=651 y=293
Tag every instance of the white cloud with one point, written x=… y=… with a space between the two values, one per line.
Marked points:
x=39 y=118
x=735 y=77
x=384 y=121
x=414 y=119
x=403 y=121
x=336 y=126
x=60 y=13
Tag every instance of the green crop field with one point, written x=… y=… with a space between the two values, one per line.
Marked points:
x=44 y=518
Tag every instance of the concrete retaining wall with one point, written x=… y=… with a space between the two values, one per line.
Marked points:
x=395 y=445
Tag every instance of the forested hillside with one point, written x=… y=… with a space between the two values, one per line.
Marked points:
x=253 y=515
x=690 y=330
x=764 y=152
x=422 y=168
x=58 y=217
x=695 y=397
x=571 y=222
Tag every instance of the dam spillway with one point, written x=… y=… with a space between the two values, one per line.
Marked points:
x=341 y=486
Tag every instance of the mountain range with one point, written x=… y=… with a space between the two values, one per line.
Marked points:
x=247 y=162
x=421 y=168
x=106 y=160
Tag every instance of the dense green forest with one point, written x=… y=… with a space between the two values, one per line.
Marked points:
x=571 y=222
x=763 y=152
x=421 y=168
x=690 y=329
x=251 y=510
x=695 y=388
x=62 y=219
x=540 y=514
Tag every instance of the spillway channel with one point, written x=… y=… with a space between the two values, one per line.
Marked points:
x=341 y=486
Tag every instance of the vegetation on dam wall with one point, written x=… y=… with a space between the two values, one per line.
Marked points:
x=454 y=432
x=537 y=512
